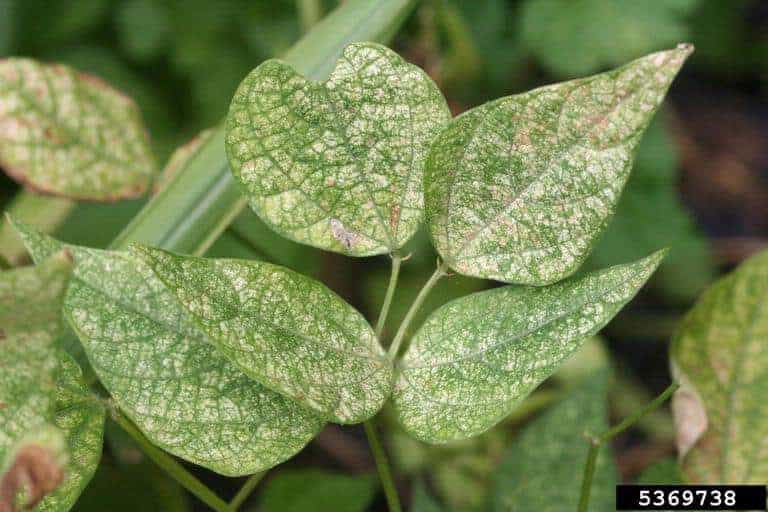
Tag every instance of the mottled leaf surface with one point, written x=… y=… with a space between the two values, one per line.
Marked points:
x=519 y=189
x=283 y=329
x=67 y=133
x=165 y=374
x=337 y=164
x=477 y=357
x=720 y=357
x=40 y=386
x=542 y=470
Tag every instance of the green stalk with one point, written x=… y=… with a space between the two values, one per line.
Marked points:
x=393 y=277
x=202 y=198
x=310 y=12
x=171 y=466
x=440 y=271
x=595 y=443
x=382 y=465
x=246 y=490
x=46 y=213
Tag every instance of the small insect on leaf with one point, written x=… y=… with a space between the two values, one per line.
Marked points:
x=67 y=133
x=477 y=357
x=338 y=164
x=519 y=189
x=285 y=330
x=165 y=374
x=720 y=358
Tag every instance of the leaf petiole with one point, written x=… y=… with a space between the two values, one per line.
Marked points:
x=246 y=490
x=440 y=271
x=595 y=443
x=393 y=277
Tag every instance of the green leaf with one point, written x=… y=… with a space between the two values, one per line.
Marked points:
x=312 y=489
x=477 y=357
x=570 y=37
x=519 y=189
x=165 y=374
x=285 y=330
x=541 y=472
x=422 y=501
x=338 y=164
x=666 y=471
x=40 y=386
x=67 y=133
x=720 y=358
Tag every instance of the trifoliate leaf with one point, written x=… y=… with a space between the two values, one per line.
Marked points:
x=40 y=386
x=720 y=358
x=67 y=133
x=519 y=189
x=164 y=373
x=571 y=38
x=477 y=357
x=541 y=471
x=312 y=489
x=285 y=330
x=338 y=164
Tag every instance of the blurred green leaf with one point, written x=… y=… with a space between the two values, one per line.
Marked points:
x=541 y=471
x=665 y=471
x=143 y=28
x=422 y=501
x=650 y=215
x=720 y=358
x=48 y=24
x=576 y=37
x=313 y=489
x=8 y=25
x=132 y=487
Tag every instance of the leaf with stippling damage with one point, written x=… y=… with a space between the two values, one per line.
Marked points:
x=720 y=357
x=541 y=471
x=338 y=164
x=68 y=133
x=519 y=189
x=40 y=385
x=283 y=329
x=477 y=357
x=165 y=374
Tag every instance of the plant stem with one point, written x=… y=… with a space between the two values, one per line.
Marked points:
x=595 y=443
x=440 y=271
x=382 y=465
x=246 y=490
x=171 y=466
x=393 y=276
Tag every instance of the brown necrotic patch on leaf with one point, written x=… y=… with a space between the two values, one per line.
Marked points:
x=34 y=473
x=63 y=132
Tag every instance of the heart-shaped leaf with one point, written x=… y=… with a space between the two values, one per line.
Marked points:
x=720 y=357
x=67 y=133
x=283 y=329
x=165 y=374
x=542 y=468
x=519 y=189
x=41 y=388
x=339 y=164
x=477 y=357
